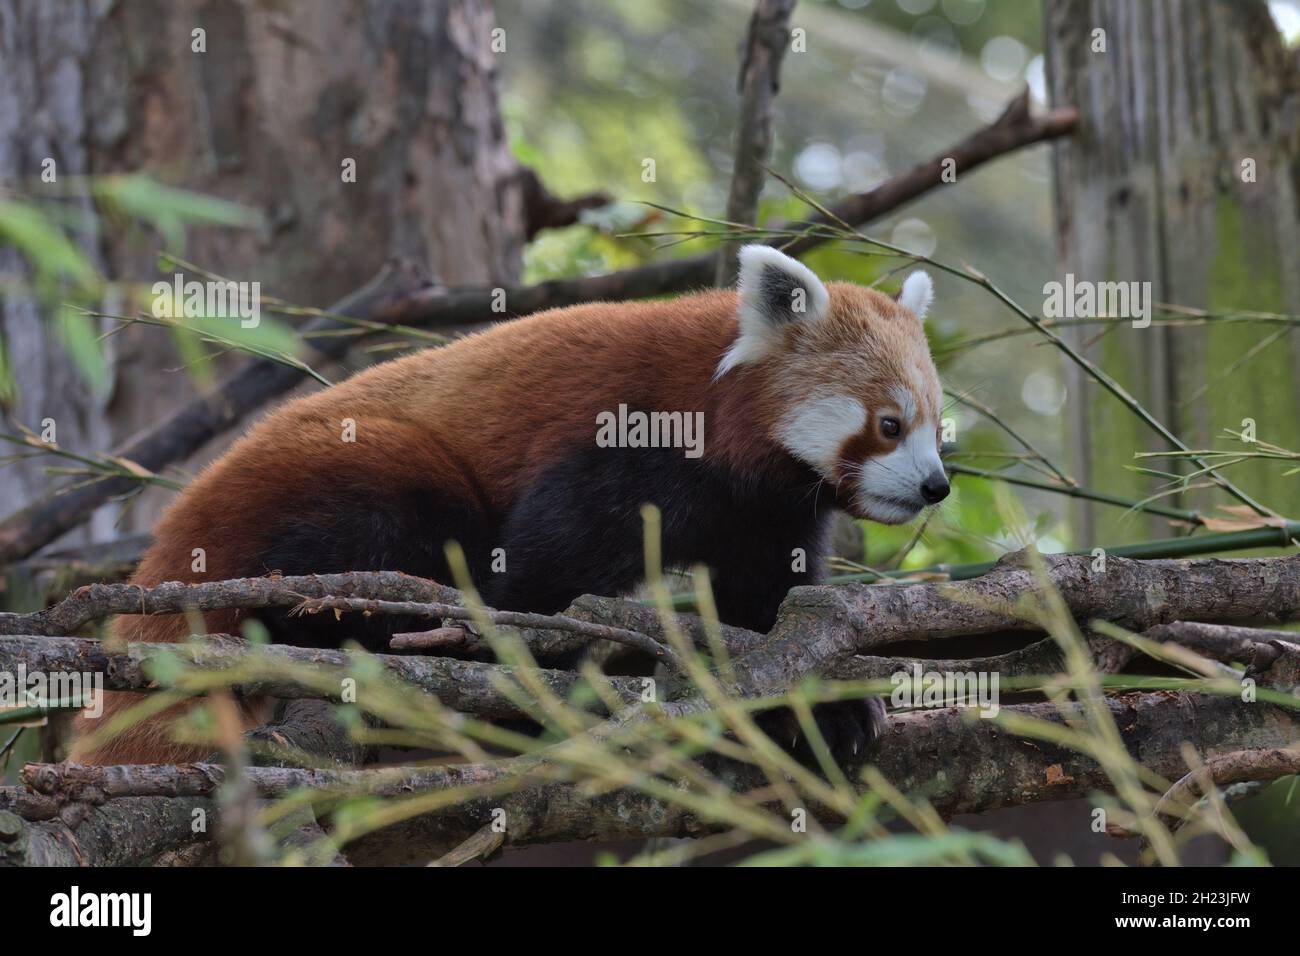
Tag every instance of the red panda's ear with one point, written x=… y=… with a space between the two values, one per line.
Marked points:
x=774 y=292
x=917 y=293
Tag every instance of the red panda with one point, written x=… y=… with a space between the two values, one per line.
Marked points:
x=811 y=396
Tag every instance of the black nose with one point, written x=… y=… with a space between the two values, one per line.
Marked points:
x=935 y=488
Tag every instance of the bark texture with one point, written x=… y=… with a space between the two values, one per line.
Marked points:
x=282 y=96
x=760 y=78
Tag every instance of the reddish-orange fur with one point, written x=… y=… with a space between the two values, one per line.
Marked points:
x=479 y=419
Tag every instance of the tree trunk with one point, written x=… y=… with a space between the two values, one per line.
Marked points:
x=1185 y=172
x=283 y=95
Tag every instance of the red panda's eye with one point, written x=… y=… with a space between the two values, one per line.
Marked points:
x=890 y=427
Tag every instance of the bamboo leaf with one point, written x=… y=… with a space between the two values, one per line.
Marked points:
x=49 y=250
x=80 y=337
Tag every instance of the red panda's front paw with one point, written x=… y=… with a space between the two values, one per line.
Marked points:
x=849 y=727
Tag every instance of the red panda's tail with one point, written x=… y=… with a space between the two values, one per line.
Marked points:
x=149 y=740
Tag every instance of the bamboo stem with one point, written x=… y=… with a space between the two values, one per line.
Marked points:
x=1271 y=537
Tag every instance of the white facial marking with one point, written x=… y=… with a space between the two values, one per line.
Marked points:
x=815 y=430
x=889 y=487
x=917 y=293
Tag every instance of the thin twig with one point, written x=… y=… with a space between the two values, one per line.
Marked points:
x=1078 y=491
x=521 y=619
x=978 y=406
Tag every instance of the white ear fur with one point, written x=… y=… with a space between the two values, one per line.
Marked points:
x=773 y=291
x=917 y=293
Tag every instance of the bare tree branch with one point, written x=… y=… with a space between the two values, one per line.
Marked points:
x=95 y=602
x=760 y=78
x=521 y=619
x=544 y=210
x=469 y=687
x=1014 y=129
x=1226 y=642
x=128 y=832
x=819 y=629
x=1257 y=763
x=307 y=837
x=367 y=592
x=961 y=765
x=72 y=782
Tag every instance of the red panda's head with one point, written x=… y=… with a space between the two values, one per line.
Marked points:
x=849 y=373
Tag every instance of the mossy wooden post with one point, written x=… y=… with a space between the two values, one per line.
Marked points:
x=1184 y=173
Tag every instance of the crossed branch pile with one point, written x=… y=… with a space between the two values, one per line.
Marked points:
x=65 y=814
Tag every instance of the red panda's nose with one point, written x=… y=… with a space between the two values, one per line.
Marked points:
x=935 y=488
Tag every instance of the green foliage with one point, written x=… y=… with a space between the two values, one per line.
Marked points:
x=52 y=254
x=578 y=250
x=67 y=286
x=169 y=211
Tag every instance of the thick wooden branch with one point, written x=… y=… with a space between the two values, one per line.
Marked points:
x=480 y=846
x=960 y=764
x=1225 y=642
x=87 y=824
x=366 y=592
x=820 y=629
x=95 y=602
x=469 y=687
x=1016 y=128
x=402 y=296
x=305 y=839
x=70 y=782
x=760 y=78
x=1239 y=766
x=129 y=832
